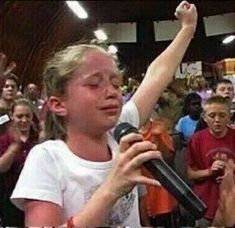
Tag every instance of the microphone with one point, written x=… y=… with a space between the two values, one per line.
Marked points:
x=167 y=177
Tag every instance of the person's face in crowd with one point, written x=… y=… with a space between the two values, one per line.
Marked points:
x=32 y=91
x=93 y=96
x=217 y=117
x=9 y=90
x=225 y=90
x=195 y=108
x=202 y=83
x=22 y=117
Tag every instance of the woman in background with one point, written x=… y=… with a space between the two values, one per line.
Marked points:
x=15 y=145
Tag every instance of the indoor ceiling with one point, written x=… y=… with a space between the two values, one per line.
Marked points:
x=32 y=30
x=123 y=11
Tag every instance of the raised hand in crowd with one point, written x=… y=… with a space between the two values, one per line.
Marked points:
x=187 y=14
x=5 y=68
x=161 y=71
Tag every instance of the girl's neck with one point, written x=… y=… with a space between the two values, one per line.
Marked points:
x=89 y=147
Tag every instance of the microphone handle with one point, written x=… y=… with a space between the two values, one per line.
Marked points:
x=161 y=171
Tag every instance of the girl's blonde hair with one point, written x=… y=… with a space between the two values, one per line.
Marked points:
x=57 y=73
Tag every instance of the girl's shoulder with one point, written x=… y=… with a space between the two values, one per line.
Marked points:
x=48 y=148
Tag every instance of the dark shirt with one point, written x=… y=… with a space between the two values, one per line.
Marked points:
x=201 y=125
x=10 y=178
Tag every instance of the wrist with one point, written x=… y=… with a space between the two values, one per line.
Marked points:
x=107 y=193
x=96 y=209
x=209 y=172
x=189 y=28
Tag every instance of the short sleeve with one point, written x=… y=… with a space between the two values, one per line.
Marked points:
x=178 y=126
x=130 y=114
x=38 y=180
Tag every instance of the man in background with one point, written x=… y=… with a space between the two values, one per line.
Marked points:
x=32 y=94
x=8 y=92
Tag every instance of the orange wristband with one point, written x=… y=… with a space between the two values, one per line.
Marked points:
x=70 y=223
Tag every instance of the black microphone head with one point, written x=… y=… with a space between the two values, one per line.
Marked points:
x=124 y=129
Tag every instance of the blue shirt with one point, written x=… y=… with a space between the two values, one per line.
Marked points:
x=186 y=126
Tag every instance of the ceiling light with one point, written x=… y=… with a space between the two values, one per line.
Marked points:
x=77 y=9
x=113 y=49
x=100 y=35
x=228 y=39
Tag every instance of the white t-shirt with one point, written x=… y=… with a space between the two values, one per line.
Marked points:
x=53 y=173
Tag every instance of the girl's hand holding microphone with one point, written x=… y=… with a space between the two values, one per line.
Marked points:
x=126 y=171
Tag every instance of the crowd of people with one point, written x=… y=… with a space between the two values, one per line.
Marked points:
x=60 y=163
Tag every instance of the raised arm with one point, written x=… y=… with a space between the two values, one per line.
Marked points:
x=5 y=69
x=161 y=71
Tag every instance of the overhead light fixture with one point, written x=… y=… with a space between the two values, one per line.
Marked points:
x=228 y=39
x=100 y=35
x=77 y=9
x=112 y=49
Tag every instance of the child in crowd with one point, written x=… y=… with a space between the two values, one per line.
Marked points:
x=224 y=88
x=202 y=88
x=192 y=110
x=160 y=205
x=207 y=151
x=83 y=176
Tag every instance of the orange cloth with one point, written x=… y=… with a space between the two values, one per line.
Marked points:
x=158 y=200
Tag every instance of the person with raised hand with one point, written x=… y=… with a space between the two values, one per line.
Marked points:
x=83 y=177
